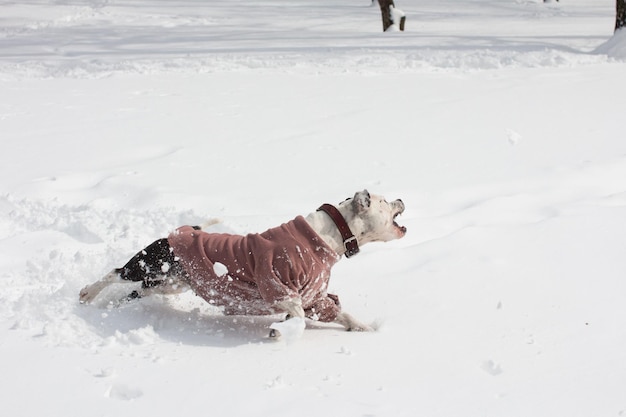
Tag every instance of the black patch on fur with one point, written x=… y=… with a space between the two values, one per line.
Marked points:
x=153 y=265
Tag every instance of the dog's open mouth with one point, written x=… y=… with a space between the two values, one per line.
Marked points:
x=401 y=229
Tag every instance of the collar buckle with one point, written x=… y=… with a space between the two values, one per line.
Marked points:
x=352 y=246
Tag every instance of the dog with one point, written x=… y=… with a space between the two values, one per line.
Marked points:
x=285 y=269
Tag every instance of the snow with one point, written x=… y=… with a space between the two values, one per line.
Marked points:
x=498 y=123
x=220 y=269
x=615 y=47
x=396 y=17
x=291 y=330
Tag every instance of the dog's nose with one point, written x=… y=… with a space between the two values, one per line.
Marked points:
x=400 y=203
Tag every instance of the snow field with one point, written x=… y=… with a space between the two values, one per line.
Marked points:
x=497 y=123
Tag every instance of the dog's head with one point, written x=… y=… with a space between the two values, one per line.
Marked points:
x=372 y=218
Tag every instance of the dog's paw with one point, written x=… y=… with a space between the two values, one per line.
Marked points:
x=360 y=328
x=274 y=334
x=84 y=296
x=376 y=325
x=351 y=324
x=289 y=330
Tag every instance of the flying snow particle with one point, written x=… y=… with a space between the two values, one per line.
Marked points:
x=220 y=269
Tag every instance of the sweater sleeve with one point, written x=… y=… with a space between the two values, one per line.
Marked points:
x=324 y=309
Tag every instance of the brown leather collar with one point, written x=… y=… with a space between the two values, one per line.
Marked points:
x=349 y=241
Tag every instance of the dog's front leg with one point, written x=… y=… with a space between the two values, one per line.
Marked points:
x=292 y=306
x=351 y=324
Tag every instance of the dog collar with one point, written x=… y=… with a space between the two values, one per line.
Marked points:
x=349 y=240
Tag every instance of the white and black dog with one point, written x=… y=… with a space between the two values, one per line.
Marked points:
x=282 y=270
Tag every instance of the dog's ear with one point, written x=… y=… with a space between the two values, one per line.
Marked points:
x=361 y=201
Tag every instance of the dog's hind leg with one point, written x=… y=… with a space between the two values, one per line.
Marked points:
x=158 y=270
x=151 y=266
x=88 y=293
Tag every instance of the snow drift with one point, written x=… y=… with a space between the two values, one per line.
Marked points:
x=615 y=47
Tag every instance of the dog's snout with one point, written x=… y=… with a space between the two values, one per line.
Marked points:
x=400 y=205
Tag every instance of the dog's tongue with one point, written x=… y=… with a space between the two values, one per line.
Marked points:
x=402 y=228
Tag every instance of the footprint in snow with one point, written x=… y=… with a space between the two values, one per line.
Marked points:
x=513 y=137
x=491 y=367
x=123 y=392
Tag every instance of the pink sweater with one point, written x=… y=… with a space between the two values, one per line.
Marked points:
x=287 y=261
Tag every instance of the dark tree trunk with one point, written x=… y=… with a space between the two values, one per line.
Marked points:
x=384 y=9
x=386 y=12
x=620 y=16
